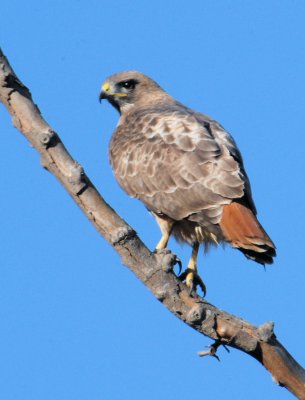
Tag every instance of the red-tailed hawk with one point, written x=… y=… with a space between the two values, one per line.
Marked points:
x=185 y=168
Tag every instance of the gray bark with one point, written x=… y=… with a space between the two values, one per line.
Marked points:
x=154 y=270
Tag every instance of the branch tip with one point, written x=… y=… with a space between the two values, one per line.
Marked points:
x=211 y=350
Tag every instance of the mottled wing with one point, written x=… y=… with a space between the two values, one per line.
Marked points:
x=225 y=139
x=170 y=159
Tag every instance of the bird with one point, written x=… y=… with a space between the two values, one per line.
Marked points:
x=186 y=169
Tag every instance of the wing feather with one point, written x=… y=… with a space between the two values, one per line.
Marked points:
x=178 y=162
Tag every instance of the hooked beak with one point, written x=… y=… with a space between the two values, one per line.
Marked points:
x=102 y=96
x=104 y=92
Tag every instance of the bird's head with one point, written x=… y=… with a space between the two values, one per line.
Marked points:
x=125 y=89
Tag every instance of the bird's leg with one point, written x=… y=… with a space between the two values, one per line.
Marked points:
x=190 y=275
x=192 y=266
x=166 y=226
x=163 y=241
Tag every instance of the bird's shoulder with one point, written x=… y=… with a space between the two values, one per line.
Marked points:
x=169 y=124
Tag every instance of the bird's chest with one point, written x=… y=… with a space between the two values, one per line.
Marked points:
x=135 y=145
x=124 y=148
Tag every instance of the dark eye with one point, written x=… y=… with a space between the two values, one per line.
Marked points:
x=130 y=84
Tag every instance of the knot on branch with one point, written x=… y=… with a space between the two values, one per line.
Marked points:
x=122 y=234
x=76 y=176
x=48 y=138
x=238 y=335
x=266 y=331
x=196 y=314
x=10 y=81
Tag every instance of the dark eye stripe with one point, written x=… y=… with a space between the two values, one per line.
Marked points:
x=129 y=84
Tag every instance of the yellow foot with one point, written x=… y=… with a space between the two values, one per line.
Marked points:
x=192 y=280
x=190 y=275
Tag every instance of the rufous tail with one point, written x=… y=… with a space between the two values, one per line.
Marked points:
x=242 y=230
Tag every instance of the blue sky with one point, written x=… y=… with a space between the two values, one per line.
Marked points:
x=75 y=324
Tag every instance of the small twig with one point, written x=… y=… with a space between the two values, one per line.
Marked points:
x=212 y=350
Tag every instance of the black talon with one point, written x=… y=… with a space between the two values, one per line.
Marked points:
x=196 y=282
x=178 y=261
x=183 y=275
x=226 y=348
x=202 y=287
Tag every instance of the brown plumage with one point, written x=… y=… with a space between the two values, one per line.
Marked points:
x=185 y=168
x=242 y=230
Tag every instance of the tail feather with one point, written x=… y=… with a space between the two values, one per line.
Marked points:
x=242 y=230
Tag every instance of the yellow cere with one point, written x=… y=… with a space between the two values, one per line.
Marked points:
x=106 y=87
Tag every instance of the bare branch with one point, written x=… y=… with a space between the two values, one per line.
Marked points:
x=155 y=270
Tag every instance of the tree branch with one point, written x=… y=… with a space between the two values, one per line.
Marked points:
x=154 y=270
